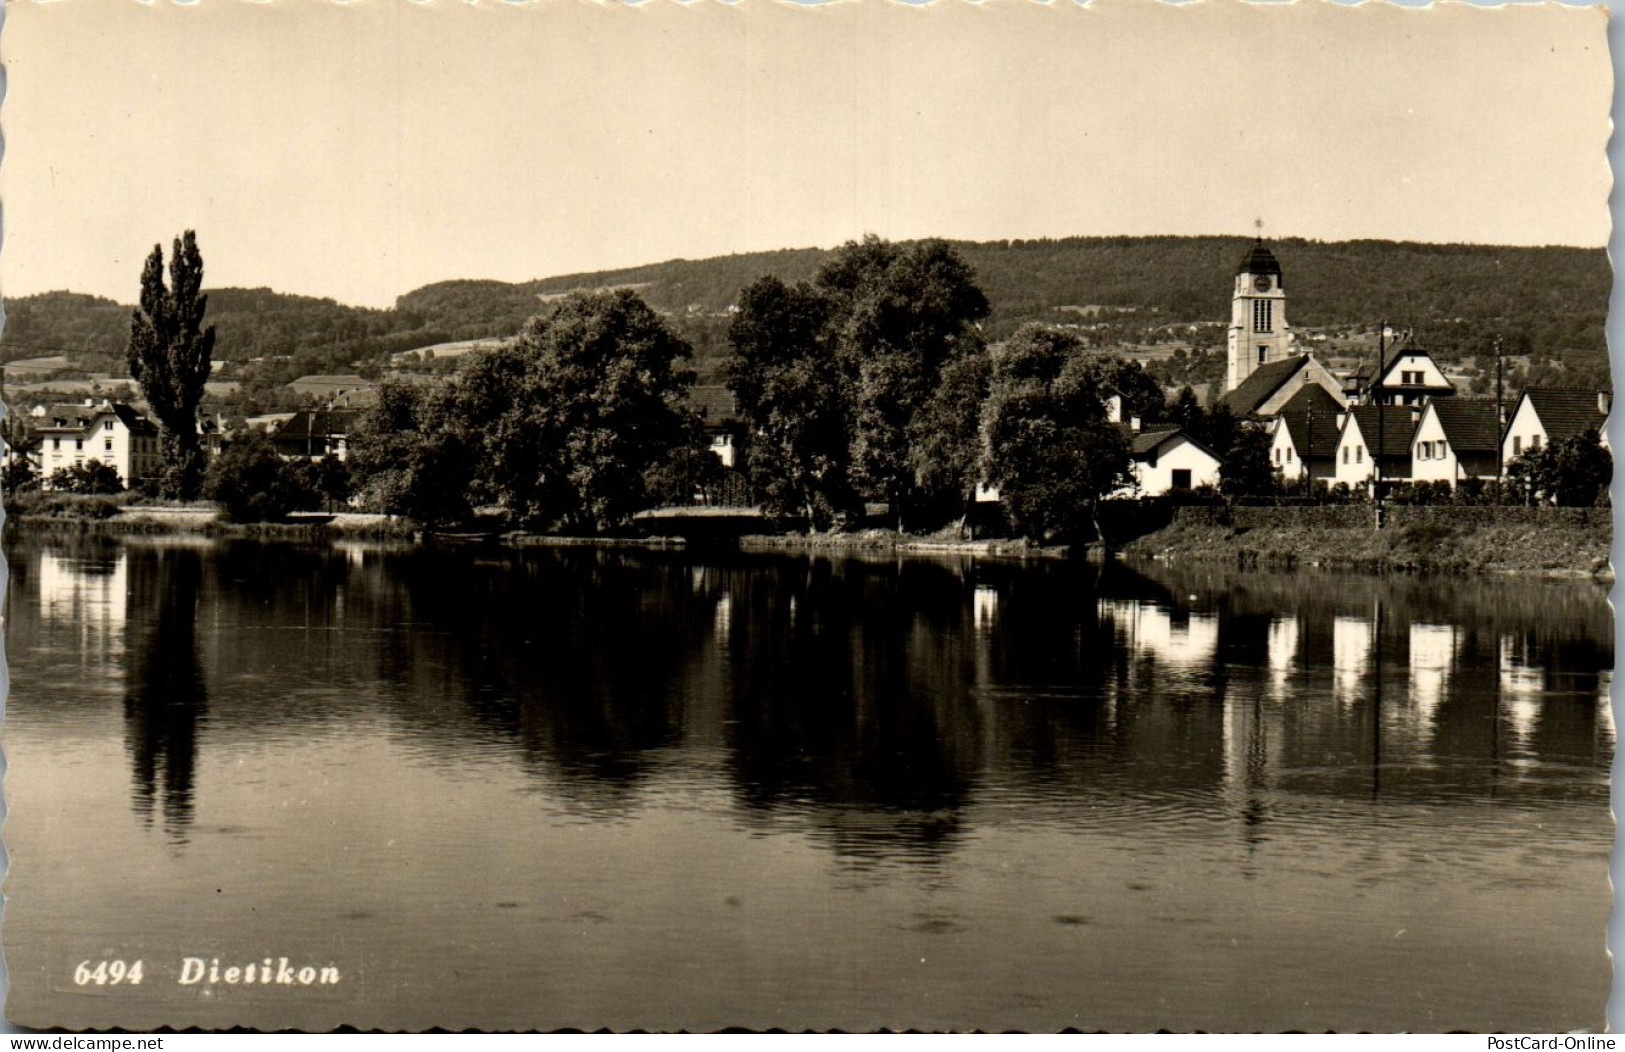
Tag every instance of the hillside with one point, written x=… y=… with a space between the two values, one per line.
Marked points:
x=1550 y=303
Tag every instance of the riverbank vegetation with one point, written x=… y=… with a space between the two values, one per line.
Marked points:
x=874 y=405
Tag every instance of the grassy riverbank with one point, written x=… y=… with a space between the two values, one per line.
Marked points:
x=1570 y=542
x=1543 y=541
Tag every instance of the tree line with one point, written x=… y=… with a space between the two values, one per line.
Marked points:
x=869 y=388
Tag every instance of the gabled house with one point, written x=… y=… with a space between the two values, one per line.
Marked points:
x=1373 y=436
x=1542 y=416
x=1455 y=440
x=313 y=434
x=718 y=410
x=1169 y=461
x=111 y=432
x=1411 y=378
x=1271 y=386
x=1303 y=437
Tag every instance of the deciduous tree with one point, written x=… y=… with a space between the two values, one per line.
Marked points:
x=1050 y=449
x=573 y=413
x=792 y=396
x=170 y=353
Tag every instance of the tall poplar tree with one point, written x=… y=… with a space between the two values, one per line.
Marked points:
x=170 y=356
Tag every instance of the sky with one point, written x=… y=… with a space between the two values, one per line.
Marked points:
x=359 y=151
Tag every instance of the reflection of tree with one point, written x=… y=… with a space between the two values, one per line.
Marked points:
x=575 y=656
x=849 y=702
x=164 y=694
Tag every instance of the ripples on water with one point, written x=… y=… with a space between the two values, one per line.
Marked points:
x=583 y=788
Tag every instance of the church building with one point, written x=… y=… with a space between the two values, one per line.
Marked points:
x=1265 y=370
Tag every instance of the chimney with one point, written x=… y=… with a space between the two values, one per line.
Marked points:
x=1134 y=424
x=1605 y=402
x=90 y=403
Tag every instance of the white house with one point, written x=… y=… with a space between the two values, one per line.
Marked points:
x=1455 y=440
x=1542 y=416
x=1411 y=378
x=111 y=432
x=1363 y=427
x=1306 y=430
x=1169 y=461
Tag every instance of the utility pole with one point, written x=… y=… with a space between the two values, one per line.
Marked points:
x=1309 y=452
x=1500 y=430
x=1376 y=459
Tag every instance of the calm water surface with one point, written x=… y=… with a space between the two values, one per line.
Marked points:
x=633 y=789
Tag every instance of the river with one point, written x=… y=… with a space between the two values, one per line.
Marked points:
x=608 y=787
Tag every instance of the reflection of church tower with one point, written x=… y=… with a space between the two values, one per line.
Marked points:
x=1258 y=329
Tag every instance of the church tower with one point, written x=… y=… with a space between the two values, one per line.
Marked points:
x=1258 y=329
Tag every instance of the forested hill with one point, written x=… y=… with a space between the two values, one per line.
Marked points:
x=1552 y=301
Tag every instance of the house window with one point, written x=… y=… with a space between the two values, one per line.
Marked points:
x=107 y=444
x=79 y=443
x=1263 y=351
x=1534 y=443
x=1182 y=478
x=1289 y=454
x=56 y=443
x=1443 y=449
x=1517 y=444
x=1262 y=320
x=1424 y=450
x=107 y=425
x=1359 y=454
x=1345 y=454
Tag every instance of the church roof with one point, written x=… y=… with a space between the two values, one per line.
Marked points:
x=1261 y=383
x=1259 y=260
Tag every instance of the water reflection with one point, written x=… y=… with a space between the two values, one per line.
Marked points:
x=165 y=698
x=876 y=706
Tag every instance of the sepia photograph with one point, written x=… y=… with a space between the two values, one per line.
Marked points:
x=828 y=516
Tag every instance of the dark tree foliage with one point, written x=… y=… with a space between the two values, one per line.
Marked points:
x=252 y=483
x=411 y=455
x=1050 y=449
x=901 y=313
x=946 y=453
x=1247 y=471
x=330 y=477
x=572 y=415
x=1575 y=472
x=19 y=473
x=791 y=395
x=170 y=354
x=90 y=476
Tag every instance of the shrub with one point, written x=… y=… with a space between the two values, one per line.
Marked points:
x=252 y=483
x=90 y=476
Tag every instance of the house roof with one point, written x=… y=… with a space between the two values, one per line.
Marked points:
x=79 y=417
x=715 y=405
x=1471 y=427
x=1395 y=427
x=1313 y=407
x=1142 y=443
x=1565 y=413
x=1259 y=260
x=317 y=423
x=1400 y=354
x=1261 y=383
